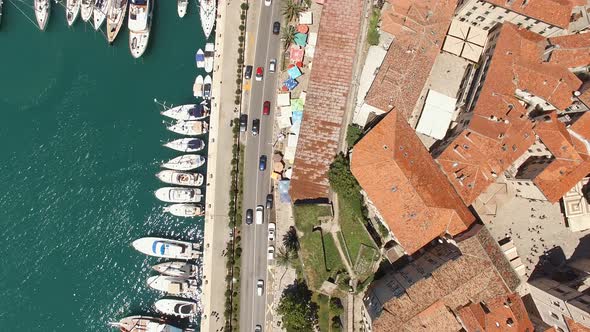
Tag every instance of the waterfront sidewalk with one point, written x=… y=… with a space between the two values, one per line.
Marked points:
x=223 y=110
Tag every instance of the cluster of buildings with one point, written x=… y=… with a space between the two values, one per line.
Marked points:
x=464 y=95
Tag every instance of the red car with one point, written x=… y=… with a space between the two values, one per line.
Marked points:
x=259 y=74
x=266 y=108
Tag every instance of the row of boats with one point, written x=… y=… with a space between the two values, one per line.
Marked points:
x=114 y=12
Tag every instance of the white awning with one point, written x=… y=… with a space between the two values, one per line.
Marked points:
x=437 y=115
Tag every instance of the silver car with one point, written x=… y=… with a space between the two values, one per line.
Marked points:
x=272 y=66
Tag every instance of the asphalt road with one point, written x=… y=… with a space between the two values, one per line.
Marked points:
x=257 y=183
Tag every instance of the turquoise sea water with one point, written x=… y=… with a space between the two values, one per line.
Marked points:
x=80 y=142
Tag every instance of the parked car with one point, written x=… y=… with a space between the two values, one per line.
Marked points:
x=243 y=122
x=276 y=28
x=260 y=287
x=255 y=126
x=262 y=163
x=269 y=201
x=271 y=231
x=258 y=328
x=249 y=216
x=272 y=65
x=259 y=73
x=248 y=72
x=270 y=253
x=266 y=108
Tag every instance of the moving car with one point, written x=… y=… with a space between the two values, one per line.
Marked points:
x=258 y=328
x=272 y=66
x=269 y=201
x=259 y=73
x=248 y=72
x=267 y=2
x=271 y=253
x=243 y=122
x=249 y=216
x=276 y=28
x=262 y=163
x=260 y=287
x=266 y=108
x=255 y=126
x=259 y=215
x=271 y=231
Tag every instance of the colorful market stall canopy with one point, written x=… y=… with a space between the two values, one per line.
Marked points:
x=294 y=72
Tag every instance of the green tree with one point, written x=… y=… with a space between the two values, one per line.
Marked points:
x=288 y=35
x=336 y=307
x=373 y=33
x=291 y=240
x=291 y=10
x=353 y=133
x=297 y=311
x=341 y=179
x=307 y=3
x=336 y=324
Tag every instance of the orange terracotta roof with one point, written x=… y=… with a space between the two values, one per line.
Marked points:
x=401 y=179
x=571 y=50
x=585 y=97
x=506 y=313
x=500 y=130
x=427 y=303
x=327 y=93
x=575 y=326
x=555 y=12
x=419 y=28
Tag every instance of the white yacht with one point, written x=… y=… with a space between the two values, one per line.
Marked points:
x=179 y=195
x=189 y=128
x=139 y=23
x=172 y=285
x=115 y=18
x=145 y=324
x=185 y=210
x=198 y=87
x=200 y=58
x=177 y=307
x=186 y=144
x=207 y=87
x=72 y=11
x=87 y=7
x=207 y=13
x=167 y=248
x=177 y=269
x=181 y=7
x=209 y=55
x=42 y=12
x=187 y=112
x=181 y=178
x=185 y=162
x=100 y=12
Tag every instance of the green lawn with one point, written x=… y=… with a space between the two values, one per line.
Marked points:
x=312 y=252
x=323 y=311
x=353 y=230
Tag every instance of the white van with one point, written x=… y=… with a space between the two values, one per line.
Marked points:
x=259 y=215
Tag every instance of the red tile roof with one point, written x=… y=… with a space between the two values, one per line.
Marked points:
x=571 y=50
x=500 y=130
x=404 y=183
x=575 y=326
x=419 y=28
x=327 y=93
x=555 y=12
x=506 y=313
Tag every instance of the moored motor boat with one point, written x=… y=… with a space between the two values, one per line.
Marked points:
x=115 y=17
x=185 y=210
x=185 y=162
x=181 y=178
x=207 y=87
x=207 y=10
x=139 y=23
x=177 y=307
x=177 y=269
x=172 y=285
x=200 y=58
x=72 y=11
x=189 y=128
x=145 y=323
x=181 y=6
x=100 y=12
x=187 y=112
x=42 y=12
x=87 y=7
x=186 y=145
x=209 y=55
x=198 y=87
x=167 y=248
x=179 y=195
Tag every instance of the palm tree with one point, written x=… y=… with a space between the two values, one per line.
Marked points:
x=291 y=240
x=283 y=257
x=288 y=35
x=307 y=3
x=291 y=10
